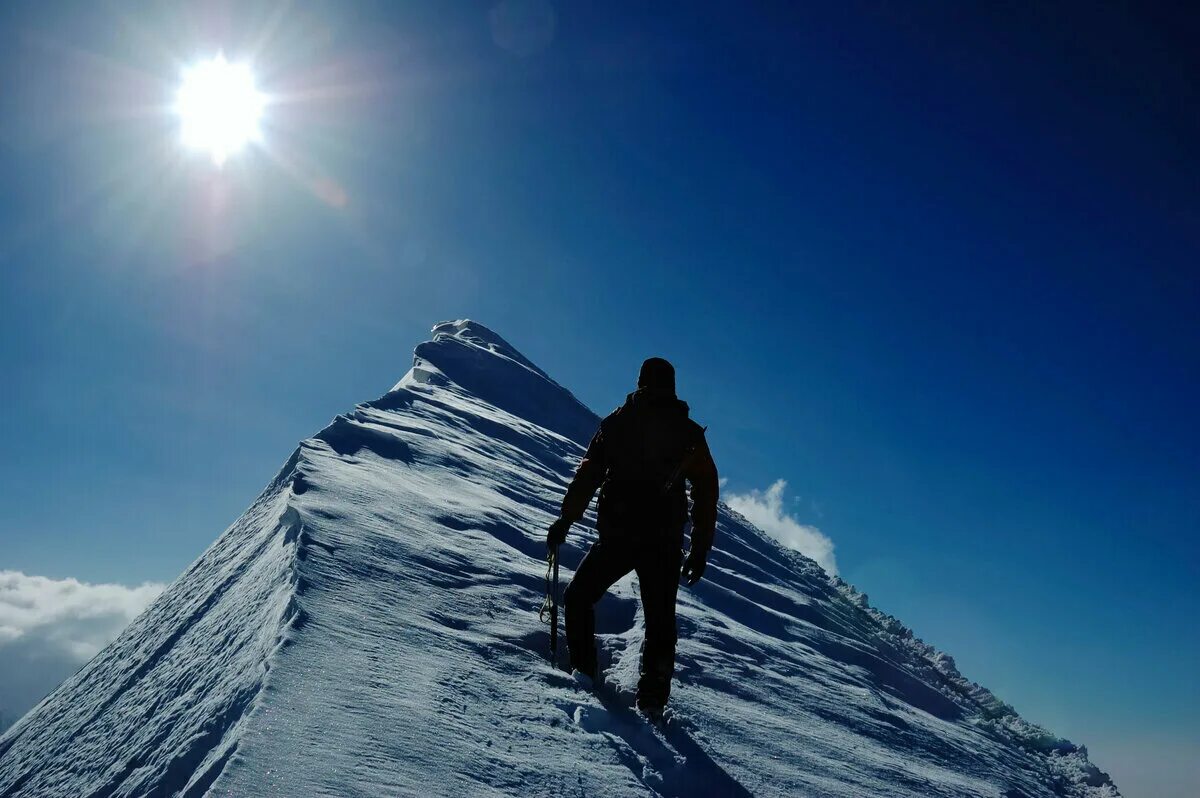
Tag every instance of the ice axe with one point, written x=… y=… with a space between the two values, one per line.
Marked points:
x=550 y=605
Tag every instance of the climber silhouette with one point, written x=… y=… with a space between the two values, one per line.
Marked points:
x=639 y=459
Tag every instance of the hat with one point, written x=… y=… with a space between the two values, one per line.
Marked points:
x=657 y=376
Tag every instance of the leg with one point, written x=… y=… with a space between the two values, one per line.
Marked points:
x=658 y=575
x=603 y=565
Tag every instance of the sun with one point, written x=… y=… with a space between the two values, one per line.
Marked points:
x=219 y=108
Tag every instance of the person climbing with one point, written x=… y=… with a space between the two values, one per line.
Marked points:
x=639 y=459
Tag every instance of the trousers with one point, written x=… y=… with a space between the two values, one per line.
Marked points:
x=657 y=563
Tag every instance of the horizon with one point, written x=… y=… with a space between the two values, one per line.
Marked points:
x=930 y=276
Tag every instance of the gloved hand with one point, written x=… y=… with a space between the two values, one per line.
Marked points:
x=693 y=566
x=558 y=532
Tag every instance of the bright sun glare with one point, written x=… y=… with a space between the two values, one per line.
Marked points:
x=219 y=108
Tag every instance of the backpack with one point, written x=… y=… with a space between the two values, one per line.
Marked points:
x=646 y=442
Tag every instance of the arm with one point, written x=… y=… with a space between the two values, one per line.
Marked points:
x=702 y=473
x=587 y=479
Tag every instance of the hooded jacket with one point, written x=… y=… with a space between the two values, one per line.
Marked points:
x=639 y=459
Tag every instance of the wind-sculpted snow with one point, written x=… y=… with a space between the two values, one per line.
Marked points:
x=157 y=712
x=369 y=627
x=506 y=378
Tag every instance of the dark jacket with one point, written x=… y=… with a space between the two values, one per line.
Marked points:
x=632 y=457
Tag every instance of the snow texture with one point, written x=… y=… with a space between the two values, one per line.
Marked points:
x=369 y=627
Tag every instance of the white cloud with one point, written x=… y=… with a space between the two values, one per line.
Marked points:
x=49 y=627
x=765 y=511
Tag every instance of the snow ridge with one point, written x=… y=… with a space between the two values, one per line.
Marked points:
x=467 y=356
x=176 y=685
x=368 y=627
x=1068 y=762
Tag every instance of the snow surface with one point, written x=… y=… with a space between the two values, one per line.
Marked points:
x=369 y=627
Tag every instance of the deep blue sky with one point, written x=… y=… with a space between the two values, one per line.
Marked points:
x=936 y=265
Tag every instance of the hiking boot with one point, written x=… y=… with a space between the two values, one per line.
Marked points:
x=584 y=661
x=652 y=694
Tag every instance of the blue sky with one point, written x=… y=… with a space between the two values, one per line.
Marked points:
x=936 y=265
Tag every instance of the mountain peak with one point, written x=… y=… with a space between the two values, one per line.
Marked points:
x=468 y=356
x=472 y=332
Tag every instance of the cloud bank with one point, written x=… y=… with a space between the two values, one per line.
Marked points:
x=765 y=511
x=50 y=627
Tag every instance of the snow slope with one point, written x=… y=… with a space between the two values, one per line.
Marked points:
x=369 y=627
